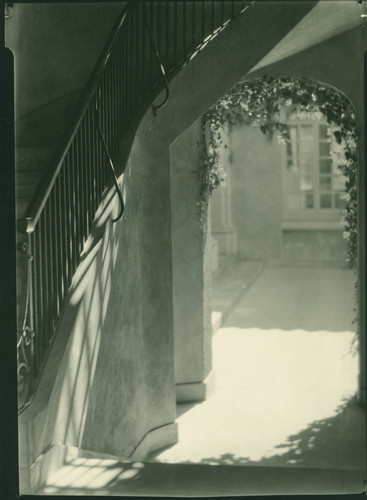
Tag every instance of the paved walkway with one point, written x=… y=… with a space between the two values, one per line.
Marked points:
x=284 y=399
x=285 y=379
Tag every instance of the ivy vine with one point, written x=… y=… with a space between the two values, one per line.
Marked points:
x=259 y=102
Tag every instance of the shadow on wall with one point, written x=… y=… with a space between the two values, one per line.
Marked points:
x=69 y=372
x=88 y=327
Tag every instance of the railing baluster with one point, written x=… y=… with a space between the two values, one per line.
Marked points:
x=116 y=99
x=88 y=185
x=125 y=77
x=71 y=212
x=94 y=146
x=36 y=298
x=99 y=160
x=203 y=31
x=111 y=103
x=49 y=268
x=132 y=60
x=158 y=18
x=167 y=31
x=82 y=190
x=76 y=203
x=233 y=9
x=175 y=35
x=77 y=176
x=108 y=103
x=122 y=80
x=184 y=29
x=66 y=195
x=137 y=58
x=54 y=255
x=43 y=283
x=193 y=24
x=83 y=186
x=61 y=241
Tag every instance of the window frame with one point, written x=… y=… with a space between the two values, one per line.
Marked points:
x=316 y=213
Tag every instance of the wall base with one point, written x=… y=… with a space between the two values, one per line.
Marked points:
x=195 y=391
x=361 y=396
x=227 y=241
x=155 y=440
x=58 y=455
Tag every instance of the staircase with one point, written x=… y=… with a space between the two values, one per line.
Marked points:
x=58 y=191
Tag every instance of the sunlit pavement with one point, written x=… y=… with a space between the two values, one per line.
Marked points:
x=283 y=404
x=285 y=379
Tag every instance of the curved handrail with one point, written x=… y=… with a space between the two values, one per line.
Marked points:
x=115 y=181
x=32 y=214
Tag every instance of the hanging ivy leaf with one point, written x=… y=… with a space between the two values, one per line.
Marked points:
x=338 y=136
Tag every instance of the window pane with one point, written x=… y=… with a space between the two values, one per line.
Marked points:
x=307 y=200
x=307 y=164
x=325 y=183
x=290 y=164
x=306 y=132
x=292 y=147
x=325 y=200
x=306 y=147
x=324 y=148
x=338 y=202
x=323 y=132
x=325 y=166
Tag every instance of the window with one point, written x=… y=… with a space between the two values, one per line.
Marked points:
x=313 y=183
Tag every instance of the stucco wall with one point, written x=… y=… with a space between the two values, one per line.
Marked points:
x=135 y=360
x=313 y=248
x=257 y=199
x=115 y=381
x=190 y=255
x=256 y=170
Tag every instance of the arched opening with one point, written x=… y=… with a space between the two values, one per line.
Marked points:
x=285 y=376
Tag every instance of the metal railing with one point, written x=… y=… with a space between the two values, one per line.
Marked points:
x=149 y=43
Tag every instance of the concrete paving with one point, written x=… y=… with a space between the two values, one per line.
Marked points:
x=286 y=379
x=282 y=418
x=230 y=283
